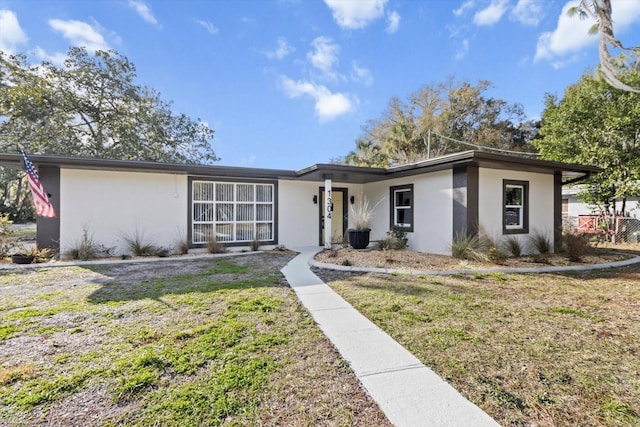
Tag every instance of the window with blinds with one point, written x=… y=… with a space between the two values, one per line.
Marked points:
x=232 y=212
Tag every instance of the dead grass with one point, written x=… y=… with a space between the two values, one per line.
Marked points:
x=535 y=349
x=204 y=342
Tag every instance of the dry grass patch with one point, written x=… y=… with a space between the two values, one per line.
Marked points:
x=537 y=349
x=407 y=260
x=205 y=342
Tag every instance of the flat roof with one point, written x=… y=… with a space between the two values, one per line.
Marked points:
x=317 y=172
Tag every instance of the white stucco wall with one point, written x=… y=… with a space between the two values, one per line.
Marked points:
x=576 y=207
x=113 y=204
x=490 y=202
x=432 y=215
x=298 y=216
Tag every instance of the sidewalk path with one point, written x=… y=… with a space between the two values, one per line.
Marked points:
x=409 y=393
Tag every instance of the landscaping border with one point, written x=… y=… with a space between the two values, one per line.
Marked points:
x=516 y=270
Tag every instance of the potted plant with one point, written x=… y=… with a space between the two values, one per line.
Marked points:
x=24 y=256
x=361 y=214
x=33 y=254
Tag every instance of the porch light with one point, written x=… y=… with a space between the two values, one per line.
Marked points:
x=352 y=199
x=315 y=199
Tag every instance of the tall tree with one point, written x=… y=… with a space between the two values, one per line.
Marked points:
x=457 y=111
x=611 y=67
x=597 y=124
x=92 y=107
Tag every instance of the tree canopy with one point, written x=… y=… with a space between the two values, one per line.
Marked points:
x=596 y=124
x=436 y=120
x=92 y=106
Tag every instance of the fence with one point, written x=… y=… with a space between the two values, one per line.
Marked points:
x=612 y=228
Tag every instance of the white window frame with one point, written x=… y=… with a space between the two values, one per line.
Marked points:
x=522 y=225
x=263 y=229
x=394 y=208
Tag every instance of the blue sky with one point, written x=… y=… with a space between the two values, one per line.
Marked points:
x=289 y=83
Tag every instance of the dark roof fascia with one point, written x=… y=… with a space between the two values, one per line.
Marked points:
x=495 y=161
x=15 y=160
x=317 y=172
x=341 y=173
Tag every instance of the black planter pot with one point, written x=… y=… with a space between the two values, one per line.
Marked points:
x=21 y=259
x=359 y=239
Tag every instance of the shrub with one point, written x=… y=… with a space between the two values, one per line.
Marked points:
x=255 y=245
x=396 y=239
x=472 y=247
x=513 y=246
x=575 y=246
x=6 y=235
x=214 y=246
x=540 y=242
x=497 y=256
x=347 y=263
x=137 y=244
x=87 y=248
x=183 y=244
x=390 y=242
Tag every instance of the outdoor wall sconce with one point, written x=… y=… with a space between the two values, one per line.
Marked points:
x=315 y=199
x=352 y=199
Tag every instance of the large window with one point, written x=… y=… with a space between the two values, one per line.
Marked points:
x=402 y=206
x=232 y=212
x=515 y=216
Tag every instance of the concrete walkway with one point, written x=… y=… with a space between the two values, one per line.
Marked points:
x=409 y=393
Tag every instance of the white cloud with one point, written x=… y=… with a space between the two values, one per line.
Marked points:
x=355 y=14
x=281 y=51
x=572 y=33
x=527 y=12
x=324 y=56
x=211 y=29
x=144 y=11
x=361 y=74
x=393 y=22
x=462 y=50
x=80 y=33
x=491 y=14
x=12 y=34
x=57 y=58
x=328 y=105
x=464 y=7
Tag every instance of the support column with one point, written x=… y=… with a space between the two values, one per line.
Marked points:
x=328 y=213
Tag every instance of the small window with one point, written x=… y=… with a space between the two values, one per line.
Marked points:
x=402 y=206
x=515 y=207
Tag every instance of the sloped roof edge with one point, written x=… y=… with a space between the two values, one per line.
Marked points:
x=317 y=172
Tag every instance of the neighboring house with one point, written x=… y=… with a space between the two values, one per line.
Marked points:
x=625 y=227
x=435 y=200
x=572 y=206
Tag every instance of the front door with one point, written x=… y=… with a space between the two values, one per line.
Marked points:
x=338 y=214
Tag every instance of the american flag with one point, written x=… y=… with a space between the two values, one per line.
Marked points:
x=40 y=198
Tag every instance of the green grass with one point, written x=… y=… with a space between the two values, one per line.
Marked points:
x=536 y=349
x=219 y=342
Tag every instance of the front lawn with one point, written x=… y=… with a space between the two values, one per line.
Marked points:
x=535 y=349
x=205 y=342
